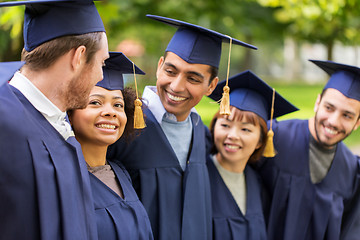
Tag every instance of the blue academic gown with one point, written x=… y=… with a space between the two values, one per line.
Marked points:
x=119 y=218
x=301 y=209
x=228 y=220
x=177 y=202
x=44 y=184
x=350 y=229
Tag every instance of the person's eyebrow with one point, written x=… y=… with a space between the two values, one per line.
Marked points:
x=118 y=97
x=97 y=95
x=197 y=74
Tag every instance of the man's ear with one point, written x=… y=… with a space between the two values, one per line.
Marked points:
x=357 y=124
x=317 y=103
x=212 y=86
x=160 y=63
x=78 y=57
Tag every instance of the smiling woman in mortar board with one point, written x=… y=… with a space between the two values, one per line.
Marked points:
x=44 y=184
x=108 y=116
x=239 y=139
x=167 y=161
x=313 y=177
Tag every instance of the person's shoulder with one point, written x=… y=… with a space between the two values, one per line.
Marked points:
x=287 y=124
x=346 y=151
x=11 y=109
x=196 y=118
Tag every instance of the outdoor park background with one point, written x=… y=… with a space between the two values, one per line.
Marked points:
x=286 y=32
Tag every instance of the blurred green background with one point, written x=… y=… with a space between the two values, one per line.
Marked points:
x=287 y=33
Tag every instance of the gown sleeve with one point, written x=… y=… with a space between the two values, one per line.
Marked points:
x=350 y=228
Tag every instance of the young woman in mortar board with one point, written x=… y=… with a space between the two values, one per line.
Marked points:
x=238 y=139
x=108 y=116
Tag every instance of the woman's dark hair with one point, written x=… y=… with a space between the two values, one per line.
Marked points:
x=250 y=117
x=129 y=98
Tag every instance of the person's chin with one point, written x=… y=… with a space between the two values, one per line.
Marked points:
x=329 y=143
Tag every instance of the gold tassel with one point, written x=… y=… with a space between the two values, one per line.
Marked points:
x=269 y=150
x=225 y=99
x=139 y=122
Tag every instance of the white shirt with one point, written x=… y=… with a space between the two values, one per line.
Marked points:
x=53 y=114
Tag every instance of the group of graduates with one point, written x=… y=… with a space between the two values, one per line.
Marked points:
x=78 y=163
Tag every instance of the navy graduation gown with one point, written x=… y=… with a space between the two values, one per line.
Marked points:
x=177 y=202
x=119 y=218
x=301 y=209
x=228 y=220
x=44 y=185
x=350 y=229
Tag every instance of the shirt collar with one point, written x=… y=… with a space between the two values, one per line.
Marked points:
x=153 y=102
x=53 y=114
x=35 y=96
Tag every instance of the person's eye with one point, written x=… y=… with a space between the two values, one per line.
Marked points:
x=170 y=71
x=246 y=130
x=95 y=103
x=119 y=105
x=348 y=116
x=194 y=80
x=328 y=108
x=225 y=125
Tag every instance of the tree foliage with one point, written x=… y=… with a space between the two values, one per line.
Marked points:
x=319 y=21
x=263 y=23
x=11 y=24
x=245 y=20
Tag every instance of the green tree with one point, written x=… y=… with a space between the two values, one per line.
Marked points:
x=11 y=40
x=319 y=21
x=242 y=19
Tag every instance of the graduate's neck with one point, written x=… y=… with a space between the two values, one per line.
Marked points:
x=94 y=155
x=236 y=167
x=51 y=81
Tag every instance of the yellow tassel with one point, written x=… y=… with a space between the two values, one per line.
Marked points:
x=269 y=150
x=225 y=99
x=139 y=122
x=225 y=102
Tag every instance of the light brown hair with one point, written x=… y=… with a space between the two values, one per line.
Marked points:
x=47 y=53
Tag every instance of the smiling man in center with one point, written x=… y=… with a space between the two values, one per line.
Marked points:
x=167 y=161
